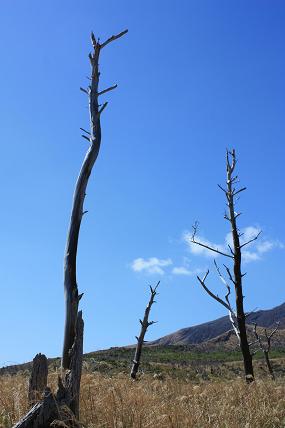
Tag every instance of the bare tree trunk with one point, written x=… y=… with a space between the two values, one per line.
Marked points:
x=38 y=378
x=94 y=137
x=268 y=363
x=240 y=314
x=73 y=376
x=145 y=323
x=238 y=317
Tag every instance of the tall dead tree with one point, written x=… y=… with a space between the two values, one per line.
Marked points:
x=93 y=136
x=64 y=404
x=264 y=343
x=237 y=316
x=145 y=323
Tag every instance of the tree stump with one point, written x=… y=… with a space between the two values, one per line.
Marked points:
x=38 y=378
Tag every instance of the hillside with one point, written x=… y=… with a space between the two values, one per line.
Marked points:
x=211 y=344
x=207 y=331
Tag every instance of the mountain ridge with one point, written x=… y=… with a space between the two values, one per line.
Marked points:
x=204 y=332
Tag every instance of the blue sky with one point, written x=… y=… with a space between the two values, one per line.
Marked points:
x=194 y=77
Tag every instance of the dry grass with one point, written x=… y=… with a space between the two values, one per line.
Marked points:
x=118 y=402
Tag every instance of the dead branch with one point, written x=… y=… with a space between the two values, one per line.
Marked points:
x=214 y=296
x=201 y=244
x=251 y=240
x=111 y=39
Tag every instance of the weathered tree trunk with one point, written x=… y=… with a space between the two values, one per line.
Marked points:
x=238 y=318
x=240 y=314
x=64 y=405
x=73 y=376
x=144 y=326
x=94 y=137
x=38 y=378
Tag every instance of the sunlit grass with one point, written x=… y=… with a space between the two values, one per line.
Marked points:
x=150 y=402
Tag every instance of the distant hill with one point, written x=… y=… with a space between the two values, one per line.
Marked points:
x=211 y=343
x=210 y=330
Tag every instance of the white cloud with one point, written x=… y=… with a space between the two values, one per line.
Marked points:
x=153 y=265
x=265 y=246
x=250 y=256
x=198 y=249
x=249 y=233
x=257 y=247
x=181 y=270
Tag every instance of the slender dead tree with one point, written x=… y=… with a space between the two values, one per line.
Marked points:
x=265 y=345
x=237 y=316
x=145 y=323
x=64 y=404
x=72 y=297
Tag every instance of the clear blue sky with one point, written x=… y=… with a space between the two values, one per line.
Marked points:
x=194 y=77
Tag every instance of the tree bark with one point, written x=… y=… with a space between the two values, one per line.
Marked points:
x=38 y=378
x=73 y=376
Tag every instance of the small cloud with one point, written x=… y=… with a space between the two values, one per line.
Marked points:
x=257 y=247
x=181 y=270
x=249 y=233
x=153 y=265
x=265 y=246
x=200 y=250
x=250 y=256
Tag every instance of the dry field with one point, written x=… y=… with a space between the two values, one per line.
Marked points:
x=153 y=403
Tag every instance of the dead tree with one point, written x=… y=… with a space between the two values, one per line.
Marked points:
x=38 y=378
x=265 y=345
x=237 y=316
x=145 y=323
x=93 y=136
x=63 y=406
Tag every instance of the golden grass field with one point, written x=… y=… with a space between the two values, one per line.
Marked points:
x=119 y=402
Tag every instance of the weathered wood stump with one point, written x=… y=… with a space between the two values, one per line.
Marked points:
x=38 y=378
x=62 y=408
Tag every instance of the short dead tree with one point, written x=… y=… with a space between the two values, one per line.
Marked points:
x=263 y=340
x=235 y=276
x=145 y=323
